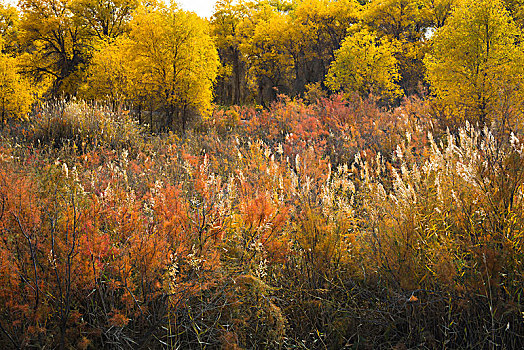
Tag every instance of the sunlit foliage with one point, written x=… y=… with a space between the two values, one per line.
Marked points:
x=15 y=91
x=365 y=65
x=55 y=43
x=168 y=63
x=279 y=176
x=9 y=18
x=476 y=61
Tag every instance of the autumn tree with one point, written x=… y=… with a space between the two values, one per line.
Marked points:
x=9 y=18
x=168 y=64
x=231 y=87
x=516 y=10
x=365 y=65
x=253 y=41
x=108 y=75
x=172 y=52
x=317 y=30
x=104 y=19
x=15 y=92
x=55 y=43
x=476 y=60
x=404 y=22
x=436 y=12
x=60 y=36
x=113 y=77
x=272 y=47
x=265 y=43
x=398 y=19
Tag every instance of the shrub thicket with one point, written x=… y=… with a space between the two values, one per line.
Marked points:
x=328 y=225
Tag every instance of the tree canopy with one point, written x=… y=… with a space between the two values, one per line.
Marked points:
x=15 y=92
x=168 y=63
x=165 y=61
x=365 y=65
x=476 y=61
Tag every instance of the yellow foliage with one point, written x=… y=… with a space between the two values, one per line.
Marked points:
x=168 y=63
x=9 y=18
x=104 y=19
x=107 y=76
x=365 y=65
x=15 y=95
x=475 y=65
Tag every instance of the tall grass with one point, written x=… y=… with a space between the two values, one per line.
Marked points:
x=327 y=225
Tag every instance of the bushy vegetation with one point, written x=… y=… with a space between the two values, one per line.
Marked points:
x=303 y=174
x=326 y=225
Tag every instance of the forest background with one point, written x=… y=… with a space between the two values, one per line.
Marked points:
x=284 y=174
